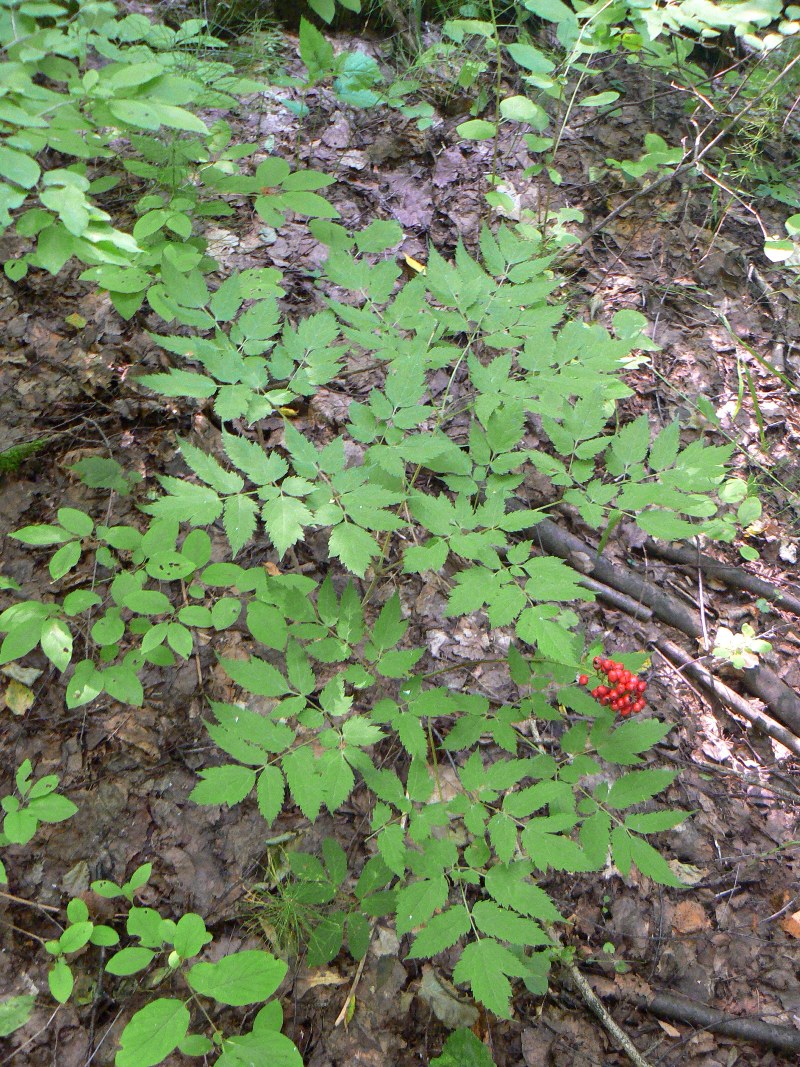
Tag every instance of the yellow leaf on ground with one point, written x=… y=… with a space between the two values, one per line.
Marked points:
x=18 y=698
x=415 y=264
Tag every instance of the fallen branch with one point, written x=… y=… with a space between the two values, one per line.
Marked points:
x=632 y=607
x=665 y=1006
x=732 y=576
x=760 y=681
x=672 y=653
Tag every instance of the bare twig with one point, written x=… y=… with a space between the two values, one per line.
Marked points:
x=595 y=1006
x=342 y=1016
x=407 y=31
x=28 y=903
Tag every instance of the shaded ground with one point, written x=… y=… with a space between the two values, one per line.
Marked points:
x=730 y=942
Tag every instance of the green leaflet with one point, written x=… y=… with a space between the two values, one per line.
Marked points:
x=486 y=967
x=463 y=1049
x=440 y=932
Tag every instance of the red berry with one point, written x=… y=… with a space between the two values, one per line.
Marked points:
x=606 y=665
x=625 y=711
x=602 y=690
x=583 y=679
x=613 y=676
x=627 y=677
x=641 y=686
x=639 y=705
x=604 y=702
x=597 y=662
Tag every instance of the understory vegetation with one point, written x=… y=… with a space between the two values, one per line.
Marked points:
x=120 y=151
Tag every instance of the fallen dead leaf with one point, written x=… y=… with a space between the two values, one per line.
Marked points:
x=688 y=874
x=445 y=1003
x=791 y=924
x=25 y=675
x=702 y=1043
x=18 y=698
x=322 y=978
x=623 y=986
x=788 y=552
x=668 y=1029
x=689 y=917
x=139 y=732
x=414 y=264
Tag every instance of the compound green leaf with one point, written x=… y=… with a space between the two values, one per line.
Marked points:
x=285 y=519
x=506 y=925
x=510 y=886
x=463 y=1049
x=256 y=676
x=304 y=782
x=239 y=519
x=652 y=863
x=176 y=382
x=270 y=792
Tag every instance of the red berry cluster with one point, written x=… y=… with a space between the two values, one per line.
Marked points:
x=624 y=693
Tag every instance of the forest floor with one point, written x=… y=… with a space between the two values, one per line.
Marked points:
x=691 y=260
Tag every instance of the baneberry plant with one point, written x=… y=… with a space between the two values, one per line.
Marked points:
x=478 y=379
